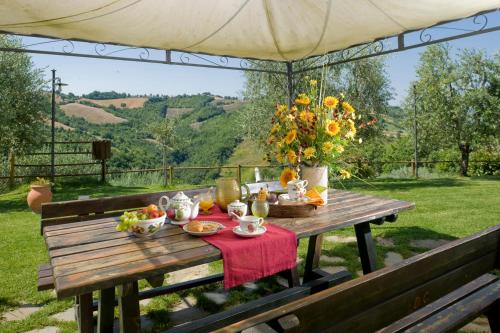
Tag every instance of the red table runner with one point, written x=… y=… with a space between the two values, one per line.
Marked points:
x=248 y=259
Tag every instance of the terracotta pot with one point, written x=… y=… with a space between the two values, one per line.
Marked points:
x=316 y=176
x=38 y=195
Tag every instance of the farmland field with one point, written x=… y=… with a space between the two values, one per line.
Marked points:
x=130 y=102
x=91 y=114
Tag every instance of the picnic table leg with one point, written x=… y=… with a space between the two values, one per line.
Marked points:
x=106 y=310
x=128 y=303
x=292 y=277
x=312 y=258
x=366 y=247
x=84 y=314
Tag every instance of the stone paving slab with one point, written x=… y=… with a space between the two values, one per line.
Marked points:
x=331 y=260
x=341 y=239
x=188 y=274
x=392 y=258
x=218 y=298
x=21 y=313
x=67 y=315
x=385 y=242
x=48 y=329
x=334 y=269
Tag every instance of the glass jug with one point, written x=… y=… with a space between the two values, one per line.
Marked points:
x=229 y=190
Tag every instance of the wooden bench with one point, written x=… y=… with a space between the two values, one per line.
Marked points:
x=437 y=291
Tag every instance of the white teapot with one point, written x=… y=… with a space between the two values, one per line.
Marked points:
x=180 y=209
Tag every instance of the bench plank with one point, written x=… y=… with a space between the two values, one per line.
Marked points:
x=429 y=310
x=462 y=312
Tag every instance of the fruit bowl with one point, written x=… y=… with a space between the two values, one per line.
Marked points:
x=144 y=228
x=142 y=223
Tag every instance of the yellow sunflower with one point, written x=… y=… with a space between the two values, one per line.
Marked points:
x=327 y=147
x=347 y=107
x=281 y=108
x=344 y=174
x=352 y=127
x=330 y=102
x=292 y=156
x=303 y=99
x=287 y=175
x=332 y=127
x=339 y=149
x=313 y=83
x=309 y=153
x=291 y=136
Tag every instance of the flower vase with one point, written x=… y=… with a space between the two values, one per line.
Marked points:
x=38 y=195
x=316 y=176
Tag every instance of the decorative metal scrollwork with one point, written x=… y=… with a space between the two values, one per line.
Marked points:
x=480 y=21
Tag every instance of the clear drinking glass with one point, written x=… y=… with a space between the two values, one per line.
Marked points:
x=260 y=208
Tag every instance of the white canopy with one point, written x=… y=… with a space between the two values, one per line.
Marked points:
x=262 y=29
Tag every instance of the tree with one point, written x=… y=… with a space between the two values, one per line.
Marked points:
x=164 y=134
x=458 y=100
x=23 y=100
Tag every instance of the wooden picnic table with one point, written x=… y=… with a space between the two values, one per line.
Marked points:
x=92 y=256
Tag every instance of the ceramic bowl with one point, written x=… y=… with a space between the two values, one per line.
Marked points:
x=145 y=228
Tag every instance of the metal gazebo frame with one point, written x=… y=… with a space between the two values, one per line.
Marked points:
x=382 y=46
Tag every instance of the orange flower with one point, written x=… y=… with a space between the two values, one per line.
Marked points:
x=330 y=102
x=332 y=127
x=306 y=116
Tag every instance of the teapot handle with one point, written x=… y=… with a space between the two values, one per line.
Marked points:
x=160 y=203
x=247 y=195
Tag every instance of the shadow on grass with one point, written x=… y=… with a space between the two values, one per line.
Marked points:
x=400 y=184
x=401 y=236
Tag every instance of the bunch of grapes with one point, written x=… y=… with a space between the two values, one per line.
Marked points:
x=127 y=220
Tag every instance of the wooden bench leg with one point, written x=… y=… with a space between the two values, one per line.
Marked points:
x=128 y=303
x=106 y=310
x=366 y=247
x=493 y=315
x=84 y=314
x=312 y=258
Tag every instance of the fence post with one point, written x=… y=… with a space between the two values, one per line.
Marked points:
x=12 y=168
x=170 y=174
x=413 y=169
x=238 y=173
x=103 y=171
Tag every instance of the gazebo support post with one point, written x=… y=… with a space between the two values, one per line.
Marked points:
x=289 y=75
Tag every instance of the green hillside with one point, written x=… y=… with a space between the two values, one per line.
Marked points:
x=207 y=131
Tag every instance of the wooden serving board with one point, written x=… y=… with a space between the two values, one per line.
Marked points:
x=292 y=209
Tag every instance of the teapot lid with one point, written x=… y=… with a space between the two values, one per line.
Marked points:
x=237 y=204
x=181 y=197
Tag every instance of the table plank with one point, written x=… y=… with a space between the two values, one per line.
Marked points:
x=91 y=255
x=131 y=271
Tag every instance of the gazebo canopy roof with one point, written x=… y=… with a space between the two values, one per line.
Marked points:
x=282 y=30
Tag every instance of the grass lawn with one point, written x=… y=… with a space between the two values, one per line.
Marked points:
x=446 y=209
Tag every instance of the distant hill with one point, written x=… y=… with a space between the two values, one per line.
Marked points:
x=91 y=114
x=119 y=103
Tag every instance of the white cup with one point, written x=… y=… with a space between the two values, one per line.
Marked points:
x=250 y=224
x=296 y=189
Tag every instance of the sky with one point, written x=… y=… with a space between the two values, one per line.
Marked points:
x=84 y=75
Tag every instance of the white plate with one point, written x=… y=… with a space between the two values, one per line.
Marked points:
x=204 y=233
x=260 y=231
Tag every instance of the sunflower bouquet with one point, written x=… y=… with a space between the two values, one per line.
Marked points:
x=313 y=132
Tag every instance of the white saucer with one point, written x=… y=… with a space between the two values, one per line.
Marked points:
x=179 y=222
x=284 y=198
x=204 y=233
x=260 y=231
